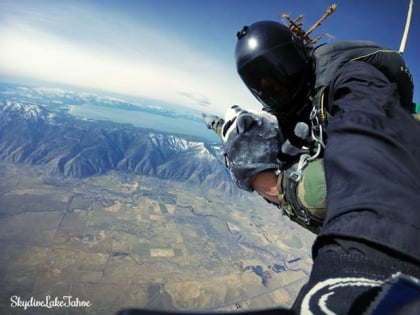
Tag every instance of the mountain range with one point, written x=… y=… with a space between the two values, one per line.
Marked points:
x=34 y=134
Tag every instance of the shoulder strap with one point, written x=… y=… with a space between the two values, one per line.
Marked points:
x=330 y=57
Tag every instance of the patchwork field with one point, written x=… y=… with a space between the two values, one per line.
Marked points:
x=122 y=240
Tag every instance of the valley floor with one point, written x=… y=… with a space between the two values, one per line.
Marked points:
x=122 y=240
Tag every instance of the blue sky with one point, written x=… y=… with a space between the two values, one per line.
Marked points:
x=176 y=51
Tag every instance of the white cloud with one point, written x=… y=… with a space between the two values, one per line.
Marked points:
x=128 y=59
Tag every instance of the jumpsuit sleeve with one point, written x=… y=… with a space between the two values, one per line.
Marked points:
x=371 y=161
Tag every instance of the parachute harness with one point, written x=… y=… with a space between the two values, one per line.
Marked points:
x=291 y=204
x=317 y=132
x=318 y=115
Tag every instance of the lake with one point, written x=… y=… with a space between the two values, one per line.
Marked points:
x=191 y=127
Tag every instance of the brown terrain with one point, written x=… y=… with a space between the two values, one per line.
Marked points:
x=121 y=240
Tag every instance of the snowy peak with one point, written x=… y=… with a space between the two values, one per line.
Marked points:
x=178 y=144
x=77 y=148
x=64 y=99
x=27 y=111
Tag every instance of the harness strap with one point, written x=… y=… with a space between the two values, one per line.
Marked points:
x=291 y=204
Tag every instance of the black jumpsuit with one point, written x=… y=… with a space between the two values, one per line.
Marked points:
x=372 y=167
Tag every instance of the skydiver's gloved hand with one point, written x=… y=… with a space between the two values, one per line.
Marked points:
x=297 y=143
x=214 y=123
x=252 y=142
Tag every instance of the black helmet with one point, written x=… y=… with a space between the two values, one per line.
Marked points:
x=274 y=65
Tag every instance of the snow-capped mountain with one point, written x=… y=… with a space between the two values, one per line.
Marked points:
x=32 y=134
x=66 y=98
x=27 y=111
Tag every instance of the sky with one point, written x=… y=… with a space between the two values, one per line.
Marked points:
x=176 y=51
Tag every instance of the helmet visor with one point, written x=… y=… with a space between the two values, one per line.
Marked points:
x=262 y=80
x=274 y=82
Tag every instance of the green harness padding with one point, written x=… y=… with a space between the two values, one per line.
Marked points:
x=312 y=189
x=303 y=194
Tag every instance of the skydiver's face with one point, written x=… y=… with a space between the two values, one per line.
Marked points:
x=270 y=87
x=254 y=126
x=265 y=183
x=251 y=141
x=272 y=94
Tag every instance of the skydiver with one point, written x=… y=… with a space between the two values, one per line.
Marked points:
x=370 y=153
x=260 y=154
x=254 y=146
x=357 y=99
